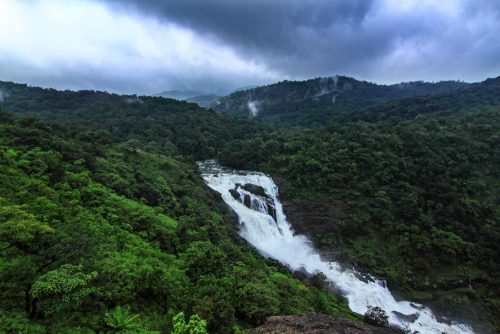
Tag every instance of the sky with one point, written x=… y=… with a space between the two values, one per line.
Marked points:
x=216 y=46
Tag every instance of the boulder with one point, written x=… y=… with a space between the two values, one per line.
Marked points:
x=236 y=195
x=271 y=209
x=247 y=201
x=254 y=189
x=406 y=317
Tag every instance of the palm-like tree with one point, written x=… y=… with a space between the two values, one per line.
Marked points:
x=120 y=321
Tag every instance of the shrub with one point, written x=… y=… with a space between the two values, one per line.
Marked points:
x=376 y=316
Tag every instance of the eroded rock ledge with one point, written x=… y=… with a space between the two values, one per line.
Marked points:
x=315 y=323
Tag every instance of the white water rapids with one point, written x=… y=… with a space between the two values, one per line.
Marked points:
x=275 y=238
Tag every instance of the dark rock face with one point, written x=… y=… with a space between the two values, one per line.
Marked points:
x=254 y=189
x=271 y=208
x=314 y=323
x=236 y=195
x=408 y=317
x=257 y=191
x=317 y=217
x=247 y=201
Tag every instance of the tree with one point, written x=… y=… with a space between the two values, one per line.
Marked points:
x=376 y=316
x=64 y=288
x=196 y=325
x=120 y=321
x=18 y=227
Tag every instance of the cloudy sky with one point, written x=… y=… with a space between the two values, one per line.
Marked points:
x=147 y=46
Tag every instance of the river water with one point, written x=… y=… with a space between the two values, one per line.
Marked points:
x=264 y=225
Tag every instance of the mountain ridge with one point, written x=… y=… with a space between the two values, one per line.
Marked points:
x=316 y=101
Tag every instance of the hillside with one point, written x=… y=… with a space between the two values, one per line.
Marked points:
x=409 y=193
x=411 y=196
x=97 y=233
x=316 y=101
x=178 y=94
x=196 y=132
x=204 y=101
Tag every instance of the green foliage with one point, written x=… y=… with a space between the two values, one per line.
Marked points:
x=91 y=220
x=64 y=288
x=120 y=321
x=109 y=183
x=195 y=325
x=417 y=180
x=18 y=323
x=316 y=101
x=18 y=227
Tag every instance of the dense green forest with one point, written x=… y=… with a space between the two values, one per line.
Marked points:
x=95 y=231
x=316 y=101
x=111 y=179
x=421 y=180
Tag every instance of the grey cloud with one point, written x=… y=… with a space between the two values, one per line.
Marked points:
x=92 y=78
x=277 y=32
x=354 y=37
x=257 y=23
x=146 y=46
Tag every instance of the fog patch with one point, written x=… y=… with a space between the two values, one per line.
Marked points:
x=3 y=96
x=253 y=108
x=323 y=91
x=327 y=86
x=335 y=79
x=131 y=100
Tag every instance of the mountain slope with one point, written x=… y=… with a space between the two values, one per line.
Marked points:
x=409 y=193
x=195 y=131
x=317 y=101
x=178 y=94
x=96 y=232
x=204 y=101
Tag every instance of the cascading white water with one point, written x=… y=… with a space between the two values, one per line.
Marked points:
x=264 y=225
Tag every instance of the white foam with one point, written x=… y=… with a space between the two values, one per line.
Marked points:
x=253 y=107
x=276 y=239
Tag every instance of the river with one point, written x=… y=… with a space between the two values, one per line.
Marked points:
x=264 y=225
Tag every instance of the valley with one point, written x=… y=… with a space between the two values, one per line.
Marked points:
x=405 y=189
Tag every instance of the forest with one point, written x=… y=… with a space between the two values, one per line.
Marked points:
x=105 y=218
x=105 y=236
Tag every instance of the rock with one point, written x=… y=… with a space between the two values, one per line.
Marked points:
x=315 y=217
x=254 y=189
x=315 y=323
x=236 y=195
x=301 y=275
x=247 y=201
x=271 y=209
x=406 y=317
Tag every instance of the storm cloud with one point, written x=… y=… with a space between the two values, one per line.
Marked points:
x=218 y=45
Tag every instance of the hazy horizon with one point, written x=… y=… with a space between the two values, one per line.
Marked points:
x=146 y=47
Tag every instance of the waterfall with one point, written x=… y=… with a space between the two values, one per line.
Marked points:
x=254 y=198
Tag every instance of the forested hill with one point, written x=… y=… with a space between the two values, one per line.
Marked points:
x=419 y=182
x=100 y=234
x=475 y=96
x=319 y=100
x=174 y=125
x=417 y=178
